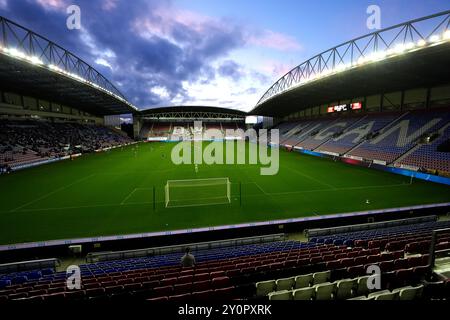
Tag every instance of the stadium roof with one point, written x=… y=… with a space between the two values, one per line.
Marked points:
x=193 y=112
x=409 y=55
x=33 y=65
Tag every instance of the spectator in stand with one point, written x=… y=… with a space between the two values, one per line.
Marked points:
x=188 y=260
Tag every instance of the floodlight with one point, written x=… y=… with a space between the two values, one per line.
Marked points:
x=446 y=35
x=421 y=43
x=409 y=45
x=435 y=38
x=35 y=60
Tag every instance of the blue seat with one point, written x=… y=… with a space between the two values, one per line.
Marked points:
x=19 y=280
x=4 y=283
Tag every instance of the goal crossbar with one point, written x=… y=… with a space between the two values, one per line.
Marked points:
x=192 y=192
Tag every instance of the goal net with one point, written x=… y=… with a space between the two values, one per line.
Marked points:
x=197 y=192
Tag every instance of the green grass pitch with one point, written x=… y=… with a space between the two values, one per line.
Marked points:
x=111 y=193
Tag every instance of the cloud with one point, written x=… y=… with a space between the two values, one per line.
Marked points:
x=156 y=53
x=275 y=68
x=274 y=40
x=59 y=5
x=230 y=69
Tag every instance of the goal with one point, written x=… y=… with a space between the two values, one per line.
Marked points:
x=197 y=192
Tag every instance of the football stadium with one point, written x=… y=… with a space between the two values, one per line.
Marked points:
x=334 y=185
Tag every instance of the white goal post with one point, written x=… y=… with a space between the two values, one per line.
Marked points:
x=197 y=192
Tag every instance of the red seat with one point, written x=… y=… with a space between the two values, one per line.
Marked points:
x=360 y=243
x=185 y=279
x=217 y=274
x=150 y=284
x=202 y=295
x=263 y=267
x=303 y=262
x=327 y=257
x=386 y=266
x=182 y=288
x=113 y=289
x=386 y=256
x=373 y=258
x=180 y=297
x=420 y=272
x=224 y=294
x=359 y=260
x=141 y=279
x=220 y=282
x=412 y=247
x=95 y=292
x=352 y=254
x=315 y=260
x=74 y=294
x=162 y=291
x=241 y=265
x=403 y=276
x=414 y=261
x=290 y=263
x=201 y=285
x=356 y=271
x=331 y=265
x=132 y=287
x=34 y=293
x=108 y=284
x=55 y=296
x=89 y=285
x=346 y=262
x=400 y=264
x=16 y=296
x=52 y=290
x=186 y=272
x=168 y=281
x=233 y=273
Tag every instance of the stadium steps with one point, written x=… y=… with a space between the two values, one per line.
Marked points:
x=349 y=126
x=287 y=138
x=407 y=153
x=386 y=126
x=315 y=126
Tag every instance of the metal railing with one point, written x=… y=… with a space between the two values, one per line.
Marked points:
x=29 y=265
x=379 y=45
x=117 y=255
x=23 y=44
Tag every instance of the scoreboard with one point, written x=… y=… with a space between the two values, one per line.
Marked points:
x=345 y=107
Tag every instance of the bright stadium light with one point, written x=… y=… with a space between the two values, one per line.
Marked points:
x=378 y=55
x=421 y=43
x=409 y=45
x=16 y=53
x=36 y=60
x=435 y=38
x=341 y=67
x=361 y=60
x=446 y=35
x=400 y=48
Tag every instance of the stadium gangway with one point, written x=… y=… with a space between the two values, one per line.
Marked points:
x=29 y=265
x=368 y=226
x=127 y=254
x=437 y=253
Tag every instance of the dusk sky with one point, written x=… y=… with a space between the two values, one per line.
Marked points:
x=204 y=52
